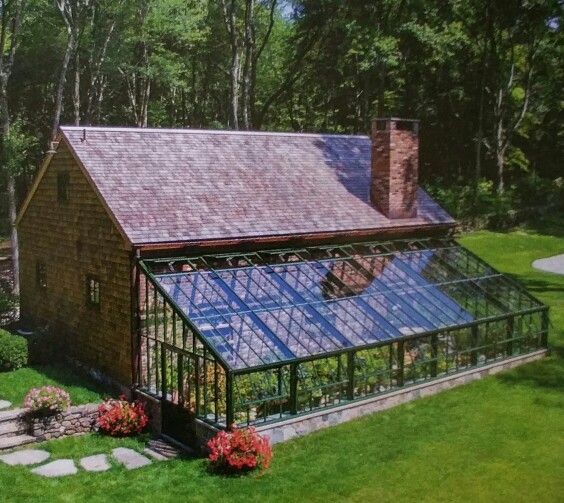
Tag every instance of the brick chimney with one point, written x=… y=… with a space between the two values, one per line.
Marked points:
x=395 y=165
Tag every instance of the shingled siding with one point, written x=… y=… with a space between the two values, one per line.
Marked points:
x=75 y=239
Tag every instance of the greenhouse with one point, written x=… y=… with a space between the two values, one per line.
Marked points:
x=256 y=337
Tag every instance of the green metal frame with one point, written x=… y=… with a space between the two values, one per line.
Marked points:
x=283 y=386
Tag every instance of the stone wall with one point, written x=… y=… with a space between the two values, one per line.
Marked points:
x=74 y=239
x=75 y=420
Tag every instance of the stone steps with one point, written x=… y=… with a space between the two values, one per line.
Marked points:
x=12 y=442
x=12 y=428
x=160 y=448
x=10 y=415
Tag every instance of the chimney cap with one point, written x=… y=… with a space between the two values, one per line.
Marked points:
x=387 y=123
x=394 y=119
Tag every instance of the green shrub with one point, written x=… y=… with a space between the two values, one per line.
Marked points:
x=13 y=351
x=8 y=303
x=481 y=206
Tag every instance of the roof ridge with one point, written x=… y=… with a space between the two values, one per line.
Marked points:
x=208 y=131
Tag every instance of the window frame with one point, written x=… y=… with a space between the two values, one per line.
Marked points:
x=93 y=291
x=41 y=275
x=63 y=183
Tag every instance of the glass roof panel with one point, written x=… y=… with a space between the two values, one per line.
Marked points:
x=271 y=310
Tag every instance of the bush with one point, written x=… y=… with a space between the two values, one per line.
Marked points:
x=481 y=206
x=120 y=418
x=13 y=351
x=47 y=400
x=239 y=450
x=8 y=304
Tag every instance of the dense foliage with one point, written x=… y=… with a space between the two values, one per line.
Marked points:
x=120 y=418
x=13 y=351
x=241 y=449
x=485 y=77
x=47 y=400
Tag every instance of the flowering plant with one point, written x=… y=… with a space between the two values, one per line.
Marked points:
x=120 y=418
x=239 y=450
x=47 y=400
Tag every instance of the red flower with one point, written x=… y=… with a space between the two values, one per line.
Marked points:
x=240 y=449
x=120 y=418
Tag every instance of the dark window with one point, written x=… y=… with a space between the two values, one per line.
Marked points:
x=63 y=187
x=41 y=275
x=92 y=291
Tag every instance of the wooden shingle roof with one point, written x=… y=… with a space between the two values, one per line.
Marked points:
x=183 y=185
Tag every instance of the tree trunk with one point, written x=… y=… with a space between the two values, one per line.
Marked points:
x=71 y=44
x=235 y=63
x=248 y=65
x=12 y=205
x=11 y=185
x=9 y=30
x=234 y=73
x=500 y=147
x=76 y=94
x=479 y=142
x=500 y=161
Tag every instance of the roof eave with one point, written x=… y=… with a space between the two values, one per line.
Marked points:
x=295 y=239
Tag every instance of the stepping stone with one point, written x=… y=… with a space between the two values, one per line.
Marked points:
x=97 y=463
x=166 y=449
x=129 y=458
x=4 y=404
x=27 y=457
x=59 y=468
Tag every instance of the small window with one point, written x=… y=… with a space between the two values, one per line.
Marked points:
x=41 y=275
x=63 y=187
x=92 y=291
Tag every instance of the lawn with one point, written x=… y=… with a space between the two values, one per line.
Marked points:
x=14 y=385
x=499 y=439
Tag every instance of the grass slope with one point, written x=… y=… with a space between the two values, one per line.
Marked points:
x=500 y=439
x=14 y=385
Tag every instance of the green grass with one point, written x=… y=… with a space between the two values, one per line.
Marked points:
x=14 y=385
x=500 y=439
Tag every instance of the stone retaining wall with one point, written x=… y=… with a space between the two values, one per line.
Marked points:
x=77 y=419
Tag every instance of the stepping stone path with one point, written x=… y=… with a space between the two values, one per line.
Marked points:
x=97 y=463
x=58 y=468
x=5 y=404
x=129 y=458
x=27 y=457
x=157 y=450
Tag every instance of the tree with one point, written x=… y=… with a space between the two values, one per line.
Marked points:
x=156 y=52
x=73 y=13
x=11 y=17
x=102 y=28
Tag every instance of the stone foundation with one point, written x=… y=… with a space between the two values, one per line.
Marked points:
x=199 y=432
x=302 y=425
